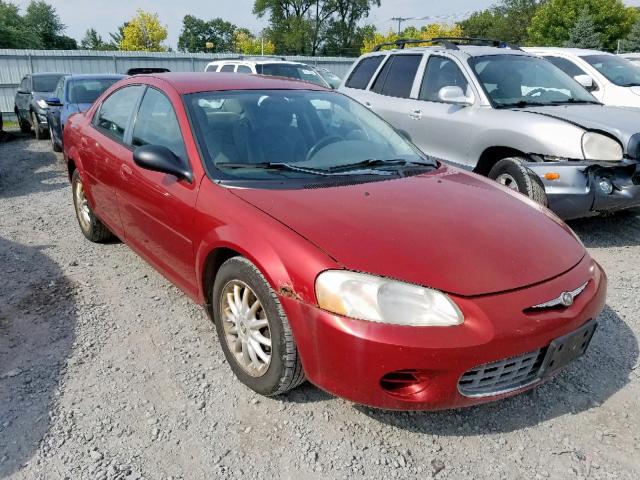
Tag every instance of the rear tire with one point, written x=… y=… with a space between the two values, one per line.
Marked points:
x=238 y=333
x=92 y=228
x=513 y=174
x=24 y=126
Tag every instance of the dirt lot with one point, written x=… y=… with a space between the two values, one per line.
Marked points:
x=108 y=372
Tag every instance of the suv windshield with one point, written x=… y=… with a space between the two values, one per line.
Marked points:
x=520 y=81
x=615 y=69
x=271 y=134
x=289 y=70
x=45 y=83
x=88 y=90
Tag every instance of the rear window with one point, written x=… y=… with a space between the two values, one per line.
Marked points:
x=397 y=76
x=88 y=90
x=45 y=83
x=363 y=72
x=212 y=68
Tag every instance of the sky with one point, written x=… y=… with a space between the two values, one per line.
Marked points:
x=106 y=16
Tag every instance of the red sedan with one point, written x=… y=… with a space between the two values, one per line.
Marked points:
x=325 y=246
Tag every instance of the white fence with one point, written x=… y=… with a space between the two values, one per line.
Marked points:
x=15 y=64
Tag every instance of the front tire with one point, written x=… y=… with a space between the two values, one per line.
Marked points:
x=37 y=129
x=54 y=145
x=24 y=126
x=513 y=174
x=253 y=330
x=92 y=228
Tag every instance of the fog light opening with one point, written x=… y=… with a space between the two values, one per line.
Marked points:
x=404 y=383
x=606 y=186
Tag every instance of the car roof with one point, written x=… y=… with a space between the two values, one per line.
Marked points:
x=185 y=83
x=573 y=51
x=93 y=76
x=469 y=50
x=46 y=74
x=255 y=61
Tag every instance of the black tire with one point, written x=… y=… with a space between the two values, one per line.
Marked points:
x=285 y=370
x=512 y=173
x=91 y=227
x=25 y=127
x=40 y=133
x=54 y=145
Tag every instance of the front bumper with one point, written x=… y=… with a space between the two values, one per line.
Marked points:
x=352 y=359
x=577 y=192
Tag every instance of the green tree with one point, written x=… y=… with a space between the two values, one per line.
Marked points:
x=44 y=22
x=144 y=32
x=197 y=33
x=583 y=34
x=291 y=28
x=93 y=41
x=248 y=44
x=342 y=35
x=632 y=42
x=555 y=18
x=11 y=27
x=507 y=21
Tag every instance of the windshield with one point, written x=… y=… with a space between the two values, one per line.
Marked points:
x=331 y=78
x=519 y=81
x=45 y=83
x=288 y=70
x=272 y=134
x=615 y=69
x=88 y=90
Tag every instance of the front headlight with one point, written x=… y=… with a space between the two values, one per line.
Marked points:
x=42 y=104
x=377 y=299
x=596 y=146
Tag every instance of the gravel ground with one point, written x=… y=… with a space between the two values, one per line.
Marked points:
x=108 y=372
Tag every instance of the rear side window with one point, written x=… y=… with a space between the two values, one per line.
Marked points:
x=363 y=72
x=116 y=111
x=567 y=66
x=441 y=72
x=212 y=68
x=228 y=68
x=397 y=76
x=157 y=124
x=244 y=69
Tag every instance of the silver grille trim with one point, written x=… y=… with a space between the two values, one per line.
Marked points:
x=503 y=376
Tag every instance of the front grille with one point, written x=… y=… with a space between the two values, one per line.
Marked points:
x=503 y=376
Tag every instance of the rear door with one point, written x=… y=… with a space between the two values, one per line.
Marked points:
x=361 y=77
x=157 y=209
x=104 y=151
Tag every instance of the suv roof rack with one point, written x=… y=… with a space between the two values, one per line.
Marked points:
x=252 y=57
x=450 y=43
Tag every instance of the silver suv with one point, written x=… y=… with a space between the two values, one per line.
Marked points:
x=508 y=115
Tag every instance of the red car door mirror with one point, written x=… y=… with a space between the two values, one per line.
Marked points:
x=160 y=159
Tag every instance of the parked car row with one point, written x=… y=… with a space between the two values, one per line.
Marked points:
x=514 y=117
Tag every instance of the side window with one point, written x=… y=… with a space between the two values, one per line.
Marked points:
x=157 y=124
x=115 y=111
x=363 y=72
x=397 y=76
x=441 y=72
x=244 y=69
x=59 y=93
x=211 y=68
x=567 y=66
x=229 y=67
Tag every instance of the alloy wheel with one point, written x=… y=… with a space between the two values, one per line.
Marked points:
x=508 y=181
x=82 y=206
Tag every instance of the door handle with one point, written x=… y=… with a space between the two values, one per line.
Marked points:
x=416 y=114
x=125 y=171
x=368 y=105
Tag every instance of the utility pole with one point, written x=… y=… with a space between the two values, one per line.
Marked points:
x=400 y=20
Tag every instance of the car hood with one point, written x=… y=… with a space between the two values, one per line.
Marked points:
x=449 y=230
x=621 y=122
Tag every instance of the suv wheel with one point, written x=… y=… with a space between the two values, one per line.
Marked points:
x=92 y=228
x=253 y=329
x=40 y=134
x=54 y=145
x=24 y=125
x=513 y=174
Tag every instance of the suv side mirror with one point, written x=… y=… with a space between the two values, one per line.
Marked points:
x=586 y=81
x=454 y=95
x=54 y=102
x=160 y=159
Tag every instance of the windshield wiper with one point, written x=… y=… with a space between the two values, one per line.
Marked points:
x=522 y=104
x=573 y=101
x=292 y=168
x=375 y=162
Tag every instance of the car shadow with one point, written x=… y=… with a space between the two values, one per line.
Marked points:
x=19 y=159
x=621 y=229
x=37 y=331
x=589 y=382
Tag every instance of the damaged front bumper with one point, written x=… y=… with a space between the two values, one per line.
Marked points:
x=580 y=189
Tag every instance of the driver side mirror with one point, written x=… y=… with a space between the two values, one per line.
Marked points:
x=586 y=81
x=54 y=102
x=455 y=96
x=160 y=159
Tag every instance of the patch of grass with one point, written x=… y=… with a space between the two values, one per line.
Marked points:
x=9 y=124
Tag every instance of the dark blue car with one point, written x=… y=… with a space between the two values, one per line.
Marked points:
x=74 y=94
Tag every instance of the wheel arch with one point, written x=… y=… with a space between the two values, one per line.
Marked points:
x=492 y=155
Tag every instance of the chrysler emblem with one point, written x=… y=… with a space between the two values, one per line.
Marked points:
x=565 y=299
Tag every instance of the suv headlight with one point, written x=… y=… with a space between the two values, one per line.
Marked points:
x=377 y=299
x=596 y=146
